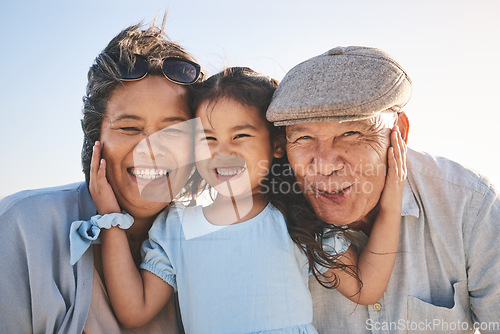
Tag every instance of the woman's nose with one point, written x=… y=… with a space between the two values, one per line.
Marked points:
x=148 y=147
x=154 y=144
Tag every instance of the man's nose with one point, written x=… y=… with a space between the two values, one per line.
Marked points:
x=327 y=161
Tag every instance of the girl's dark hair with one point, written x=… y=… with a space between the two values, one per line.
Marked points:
x=250 y=88
x=304 y=226
x=242 y=85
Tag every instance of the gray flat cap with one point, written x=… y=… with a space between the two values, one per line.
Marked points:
x=350 y=83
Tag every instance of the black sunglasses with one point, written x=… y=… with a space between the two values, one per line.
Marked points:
x=175 y=69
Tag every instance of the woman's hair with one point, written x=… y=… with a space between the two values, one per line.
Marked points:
x=103 y=79
x=242 y=85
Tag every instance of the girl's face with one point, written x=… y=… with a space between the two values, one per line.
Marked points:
x=233 y=147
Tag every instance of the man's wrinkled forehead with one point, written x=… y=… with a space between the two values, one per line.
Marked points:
x=383 y=120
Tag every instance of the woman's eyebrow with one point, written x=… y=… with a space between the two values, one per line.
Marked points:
x=173 y=119
x=125 y=117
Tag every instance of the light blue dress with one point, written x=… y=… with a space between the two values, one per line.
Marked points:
x=242 y=278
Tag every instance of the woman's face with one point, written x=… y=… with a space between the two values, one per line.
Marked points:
x=147 y=144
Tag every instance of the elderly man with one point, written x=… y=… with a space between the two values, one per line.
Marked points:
x=336 y=108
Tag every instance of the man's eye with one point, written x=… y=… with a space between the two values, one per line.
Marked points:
x=350 y=133
x=302 y=138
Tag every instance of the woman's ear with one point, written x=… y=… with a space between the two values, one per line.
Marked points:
x=404 y=126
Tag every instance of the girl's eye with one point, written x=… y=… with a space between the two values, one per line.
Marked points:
x=241 y=135
x=207 y=138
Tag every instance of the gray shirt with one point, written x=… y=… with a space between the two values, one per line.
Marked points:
x=447 y=272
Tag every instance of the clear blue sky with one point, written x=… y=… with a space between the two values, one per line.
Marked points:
x=450 y=49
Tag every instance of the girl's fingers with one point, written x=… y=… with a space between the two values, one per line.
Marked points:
x=402 y=154
x=399 y=152
x=94 y=163
x=96 y=156
x=101 y=174
x=394 y=156
x=399 y=156
x=391 y=160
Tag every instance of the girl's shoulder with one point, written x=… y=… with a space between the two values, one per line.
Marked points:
x=169 y=220
x=177 y=218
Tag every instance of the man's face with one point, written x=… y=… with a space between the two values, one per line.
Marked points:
x=340 y=166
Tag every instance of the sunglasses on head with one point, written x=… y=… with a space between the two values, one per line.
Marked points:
x=175 y=69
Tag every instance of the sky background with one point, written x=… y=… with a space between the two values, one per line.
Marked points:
x=450 y=49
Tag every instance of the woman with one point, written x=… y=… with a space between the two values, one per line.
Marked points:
x=137 y=86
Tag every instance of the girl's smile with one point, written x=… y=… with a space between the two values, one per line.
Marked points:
x=234 y=149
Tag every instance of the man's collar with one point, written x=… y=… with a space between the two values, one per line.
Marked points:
x=410 y=206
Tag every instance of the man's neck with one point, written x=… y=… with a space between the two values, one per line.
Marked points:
x=365 y=224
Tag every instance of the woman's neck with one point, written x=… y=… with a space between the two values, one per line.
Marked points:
x=139 y=229
x=233 y=210
x=143 y=220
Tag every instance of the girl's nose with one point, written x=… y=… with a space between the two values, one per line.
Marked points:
x=222 y=149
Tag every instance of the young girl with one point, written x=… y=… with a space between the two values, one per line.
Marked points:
x=233 y=263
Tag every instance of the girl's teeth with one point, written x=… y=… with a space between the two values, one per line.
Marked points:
x=149 y=173
x=229 y=171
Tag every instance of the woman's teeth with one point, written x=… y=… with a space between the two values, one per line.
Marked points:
x=149 y=173
x=229 y=171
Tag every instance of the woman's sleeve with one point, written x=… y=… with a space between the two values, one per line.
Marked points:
x=15 y=311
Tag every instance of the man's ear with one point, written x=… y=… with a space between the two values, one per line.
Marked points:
x=279 y=152
x=279 y=146
x=404 y=126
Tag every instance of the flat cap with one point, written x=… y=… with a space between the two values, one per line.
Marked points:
x=345 y=83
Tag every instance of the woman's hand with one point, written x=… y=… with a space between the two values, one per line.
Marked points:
x=100 y=189
x=392 y=196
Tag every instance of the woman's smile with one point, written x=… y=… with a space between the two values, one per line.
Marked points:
x=146 y=164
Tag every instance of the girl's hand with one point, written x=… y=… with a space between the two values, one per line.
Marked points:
x=392 y=196
x=100 y=189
